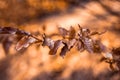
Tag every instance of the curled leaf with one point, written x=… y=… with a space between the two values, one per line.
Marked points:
x=48 y=42
x=94 y=33
x=63 y=31
x=72 y=33
x=64 y=50
x=24 y=42
x=11 y=30
x=8 y=30
x=80 y=46
x=21 y=32
x=71 y=43
x=108 y=55
x=99 y=47
x=89 y=45
x=57 y=44
x=80 y=28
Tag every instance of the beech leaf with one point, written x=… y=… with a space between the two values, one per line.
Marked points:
x=63 y=31
x=64 y=50
x=71 y=43
x=57 y=44
x=8 y=30
x=89 y=45
x=72 y=33
x=24 y=42
x=80 y=46
x=48 y=42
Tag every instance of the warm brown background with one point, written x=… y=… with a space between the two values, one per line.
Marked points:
x=35 y=63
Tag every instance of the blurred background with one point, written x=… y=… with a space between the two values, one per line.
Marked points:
x=35 y=63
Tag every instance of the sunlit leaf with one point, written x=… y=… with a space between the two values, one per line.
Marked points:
x=71 y=43
x=48 y=42
x=89 y=45
x=85 y=32
x=80 y=46
x=57 y=44
x=108 y=55
x=72 y=33
x=24 y=42
x=63 y=31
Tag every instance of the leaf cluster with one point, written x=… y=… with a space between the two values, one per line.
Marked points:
x=82 y=40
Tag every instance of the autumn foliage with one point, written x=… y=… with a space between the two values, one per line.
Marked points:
x=81 y=40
